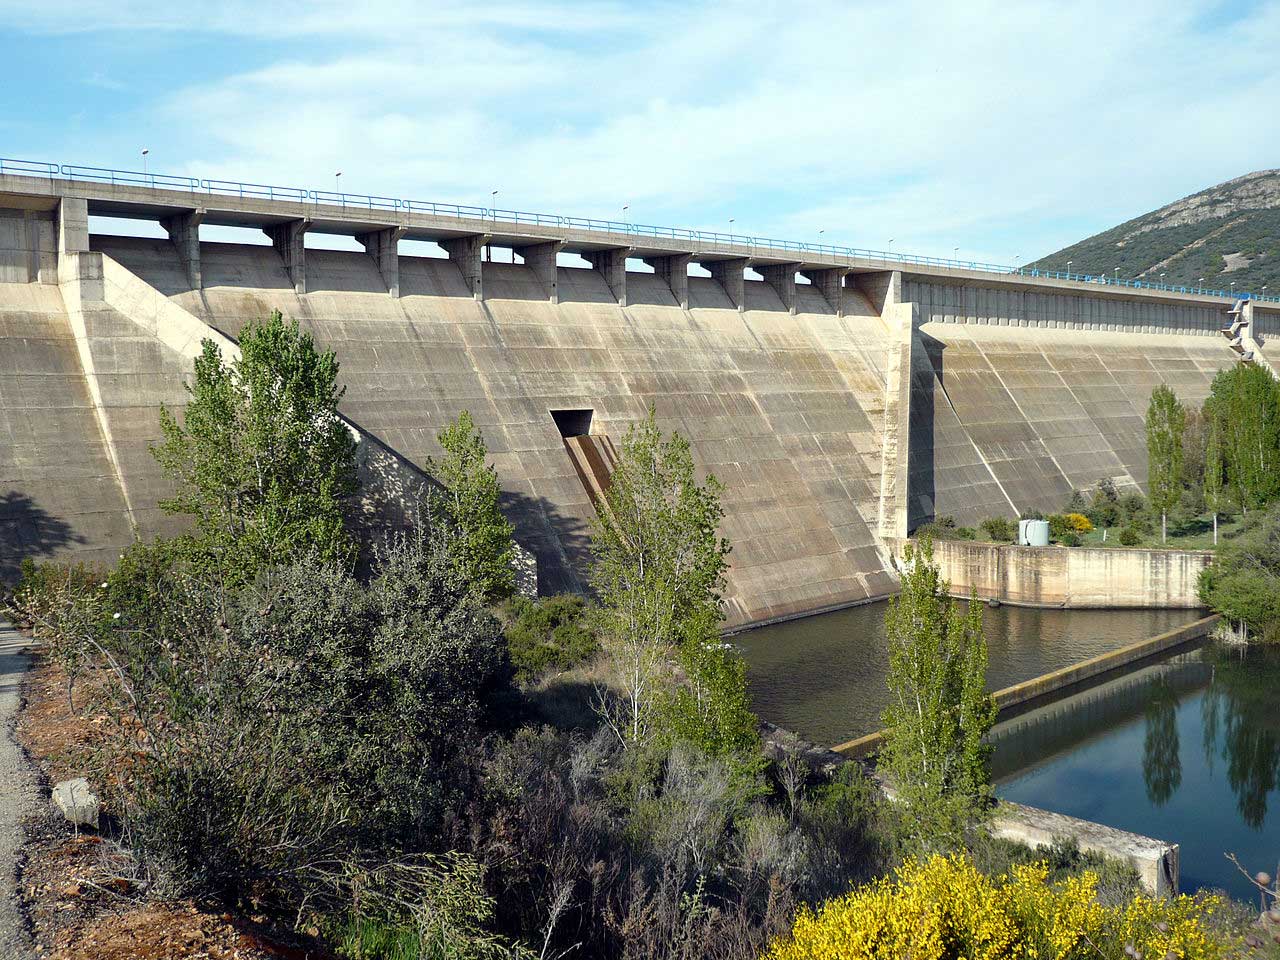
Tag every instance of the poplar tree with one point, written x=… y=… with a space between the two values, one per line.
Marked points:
x=939 y=711
x=260 y=457
x=659 y=576
x=481 y=549
x=1212 y=481
x=1166 y=421
x=1246 y=400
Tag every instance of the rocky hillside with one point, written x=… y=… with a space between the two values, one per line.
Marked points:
x=1227 y=233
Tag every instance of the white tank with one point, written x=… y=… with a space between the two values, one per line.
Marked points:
x=1033 y=533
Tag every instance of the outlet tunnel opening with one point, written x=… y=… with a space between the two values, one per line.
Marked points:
x=572 y=423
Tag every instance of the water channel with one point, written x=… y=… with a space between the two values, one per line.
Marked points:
x=823 y=676
x=1187 y=750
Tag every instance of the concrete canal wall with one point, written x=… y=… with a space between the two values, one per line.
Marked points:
x=1070 y=576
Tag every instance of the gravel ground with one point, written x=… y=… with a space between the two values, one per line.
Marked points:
x=17 y=792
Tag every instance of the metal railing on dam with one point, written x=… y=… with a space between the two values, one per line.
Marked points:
x=624 y=230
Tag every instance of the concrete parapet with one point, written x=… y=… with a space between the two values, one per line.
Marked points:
x=287 y=238
x=540 y=258
x=729 y=274
x=467 y=252
x=674 y=271
x=384 y=247
x=612 y=265
x=782 y=277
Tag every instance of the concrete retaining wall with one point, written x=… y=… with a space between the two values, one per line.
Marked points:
x=1080 y=577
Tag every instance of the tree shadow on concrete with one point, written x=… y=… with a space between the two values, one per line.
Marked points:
x=922 y=460
x=561 y=543
x=28 y=530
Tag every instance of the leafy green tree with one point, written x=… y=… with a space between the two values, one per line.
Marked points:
x=1166 y=421
x=1246 y=400
x=939 y=710
x=659 y=575
x=1243 y=582
x=1211 y=481
x=260 y=458
x=483 y=551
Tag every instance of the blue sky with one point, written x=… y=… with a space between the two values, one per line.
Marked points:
x=1004 y=129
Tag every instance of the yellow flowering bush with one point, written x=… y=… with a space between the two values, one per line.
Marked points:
x=1079 y=522
x=944 y=908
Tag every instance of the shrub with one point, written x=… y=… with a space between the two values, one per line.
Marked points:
x=1104 y=507
x=43 y=588
x=1243 y=582
x=1031 y=515
x=278 y=739
x=1130 y=536
x=945 y=907
x=1133 y=505
x=999 y=529
x=1078 y=523
x=1059 y=526
x=548 y=634
x=966 y=533
x=1070 y=539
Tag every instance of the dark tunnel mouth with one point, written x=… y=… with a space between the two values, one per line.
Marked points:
x=573 y=423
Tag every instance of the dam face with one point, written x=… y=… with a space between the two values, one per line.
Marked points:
x=838 y=413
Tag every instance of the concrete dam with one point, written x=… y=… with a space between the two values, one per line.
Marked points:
x=842 y=400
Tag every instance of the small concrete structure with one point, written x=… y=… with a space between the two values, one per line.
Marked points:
x=1155 y=860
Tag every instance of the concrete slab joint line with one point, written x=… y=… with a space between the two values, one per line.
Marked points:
x=384 y=247
x=287 y=239
x=612 y=265
x=467 y=252
x=674 y=271
x=729 y=274
x=184 y=234
x=540 y=258
x=782 y=277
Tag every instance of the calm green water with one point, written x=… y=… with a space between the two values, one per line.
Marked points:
x=1187 y=751
x=823 y=677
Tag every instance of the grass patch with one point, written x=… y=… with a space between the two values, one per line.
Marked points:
x=1194 y=533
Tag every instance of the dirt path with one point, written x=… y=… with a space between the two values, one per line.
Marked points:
x=17 y=791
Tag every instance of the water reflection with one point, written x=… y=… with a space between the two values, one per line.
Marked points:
x=1161 y=768
x=1240 y=713
x=1079 y=757
x=823 y=677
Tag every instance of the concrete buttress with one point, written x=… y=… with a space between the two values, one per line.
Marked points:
x=383 y=247
x=612 y=264
x=287 y=239
x=830 y=283
x=782 y=277
x=729 y=274
x=541 y=259
x=184 y=234
x=674 y=271
x=466 y=252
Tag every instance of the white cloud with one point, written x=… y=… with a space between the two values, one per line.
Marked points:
x=1000 y=128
